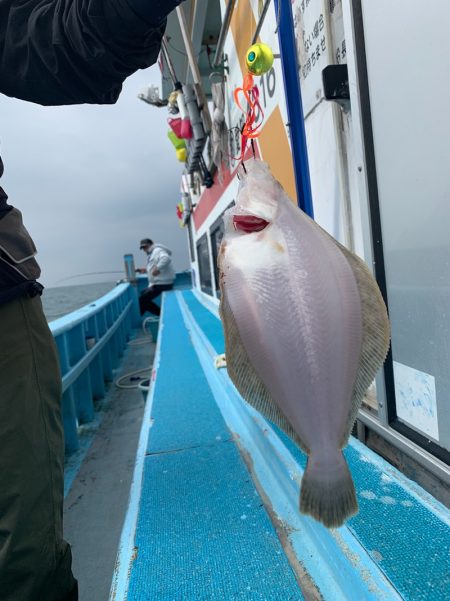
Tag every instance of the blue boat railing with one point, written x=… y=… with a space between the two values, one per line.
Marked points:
x=90 y=342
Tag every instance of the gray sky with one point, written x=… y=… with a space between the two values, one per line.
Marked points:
x=91 y=181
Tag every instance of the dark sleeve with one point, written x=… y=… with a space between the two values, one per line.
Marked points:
x=4 y=207
x=76 y=51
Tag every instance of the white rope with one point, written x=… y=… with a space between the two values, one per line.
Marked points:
x=146 y=339
x=129 y=375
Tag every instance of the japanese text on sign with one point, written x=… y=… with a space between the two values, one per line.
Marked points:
x=314 y=43
x=341 y=53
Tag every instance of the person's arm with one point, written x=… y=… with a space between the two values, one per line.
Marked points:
x=77 y=51
x=163 y=261
x=4 y=207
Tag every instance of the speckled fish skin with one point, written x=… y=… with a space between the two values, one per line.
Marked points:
x=294 y=327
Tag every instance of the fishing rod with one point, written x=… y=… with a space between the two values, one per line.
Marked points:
x=79 y=275
x=169 y=63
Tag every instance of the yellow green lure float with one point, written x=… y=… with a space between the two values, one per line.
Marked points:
x=259 y=59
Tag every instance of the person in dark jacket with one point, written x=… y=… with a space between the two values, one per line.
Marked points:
x=52 y=52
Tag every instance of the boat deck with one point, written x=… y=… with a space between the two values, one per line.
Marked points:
x=213 y=503
x=99 y=475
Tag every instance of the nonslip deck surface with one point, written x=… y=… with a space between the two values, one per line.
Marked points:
x=406 y=534
x=202 y=533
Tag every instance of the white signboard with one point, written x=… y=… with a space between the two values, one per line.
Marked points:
x=337 y=32
x=312 y=47
x=319 y=31
x=415 y=393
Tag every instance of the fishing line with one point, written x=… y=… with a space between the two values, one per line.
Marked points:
x=169 y=43
x=259 y=60
x=79 y=275
x=278 y=16
x=251 y=20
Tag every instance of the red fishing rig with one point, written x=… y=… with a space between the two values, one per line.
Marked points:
x=250 y=130
x=259 y=60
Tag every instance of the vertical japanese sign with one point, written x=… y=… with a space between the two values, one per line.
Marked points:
x=312 y=48
x=337 y=32
x=319 y=31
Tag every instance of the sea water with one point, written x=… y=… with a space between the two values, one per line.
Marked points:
x=64 y=299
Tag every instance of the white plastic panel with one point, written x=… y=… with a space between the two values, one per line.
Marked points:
x=323 y=168
x=408 y=50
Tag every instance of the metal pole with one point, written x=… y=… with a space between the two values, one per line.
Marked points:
x=223 y=32
x=166 y=55
x=188 y=45
x=130 y=271
x=261 y=20
x=193 y=65
x=289 y=61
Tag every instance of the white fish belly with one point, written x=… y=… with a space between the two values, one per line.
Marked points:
x=297 y=308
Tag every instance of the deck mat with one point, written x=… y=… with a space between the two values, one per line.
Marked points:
x=202 y=533
x=403 y=534
x=182 y=391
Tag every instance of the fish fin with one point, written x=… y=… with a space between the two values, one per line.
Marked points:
x=245 y=378
x=375 y=335
x=328 y=497
x=375 y=331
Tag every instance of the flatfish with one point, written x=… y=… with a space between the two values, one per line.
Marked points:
x=306 y=330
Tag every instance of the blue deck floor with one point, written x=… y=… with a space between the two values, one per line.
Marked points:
x=402 y=532
x=202 y=532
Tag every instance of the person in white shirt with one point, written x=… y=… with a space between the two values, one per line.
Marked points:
x=161 y=275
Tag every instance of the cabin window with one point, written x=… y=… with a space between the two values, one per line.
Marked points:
x=191 y=241
x=217 y=232
x=412 y=168
x=204 y=265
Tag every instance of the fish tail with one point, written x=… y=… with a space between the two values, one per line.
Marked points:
x=328 y=495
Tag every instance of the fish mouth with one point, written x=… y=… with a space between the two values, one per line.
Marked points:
x=249 y=223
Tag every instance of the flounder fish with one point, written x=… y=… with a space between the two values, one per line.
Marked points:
x=306 y=330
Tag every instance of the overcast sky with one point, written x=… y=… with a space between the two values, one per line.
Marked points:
x=91 y=181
